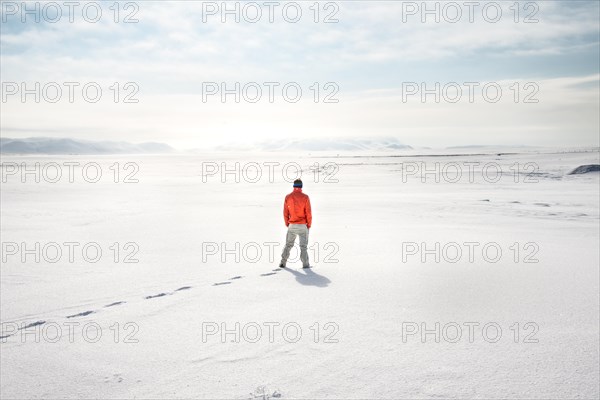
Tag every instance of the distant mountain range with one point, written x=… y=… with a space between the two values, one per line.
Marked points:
x=41 y=145
x=57 y=146
x=326 y=144
x=45 y=145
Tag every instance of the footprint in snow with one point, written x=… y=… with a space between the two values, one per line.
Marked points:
x=115 y=378
x=116 y=303
x=264 y=393
x=81 y=314
x=183 y=288
x=25 y=327
x=221 y=283
x=268 y=273
x=155 y=295
x=32 y=324
x=236 y=277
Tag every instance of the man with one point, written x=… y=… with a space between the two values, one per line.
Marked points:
x=298 y=218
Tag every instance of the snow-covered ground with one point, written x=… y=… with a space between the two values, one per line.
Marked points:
x=377 y=317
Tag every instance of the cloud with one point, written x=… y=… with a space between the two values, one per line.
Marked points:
x=170 y=52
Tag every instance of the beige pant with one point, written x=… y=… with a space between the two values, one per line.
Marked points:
x=301 y=231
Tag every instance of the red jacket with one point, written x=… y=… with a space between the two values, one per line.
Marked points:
x=296 y=208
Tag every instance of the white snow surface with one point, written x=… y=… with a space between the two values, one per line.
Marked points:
x=363 y=303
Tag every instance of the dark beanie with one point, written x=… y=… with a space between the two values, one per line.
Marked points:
x=297 y=183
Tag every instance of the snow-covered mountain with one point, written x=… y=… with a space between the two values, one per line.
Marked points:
x=43 y=145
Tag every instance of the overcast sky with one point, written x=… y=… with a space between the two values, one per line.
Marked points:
x=374 y=58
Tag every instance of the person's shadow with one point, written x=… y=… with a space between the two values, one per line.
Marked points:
x=309 y=277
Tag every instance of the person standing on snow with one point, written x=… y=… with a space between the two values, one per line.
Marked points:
x=298 y=218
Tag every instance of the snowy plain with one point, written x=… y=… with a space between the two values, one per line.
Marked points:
x=351 y=327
